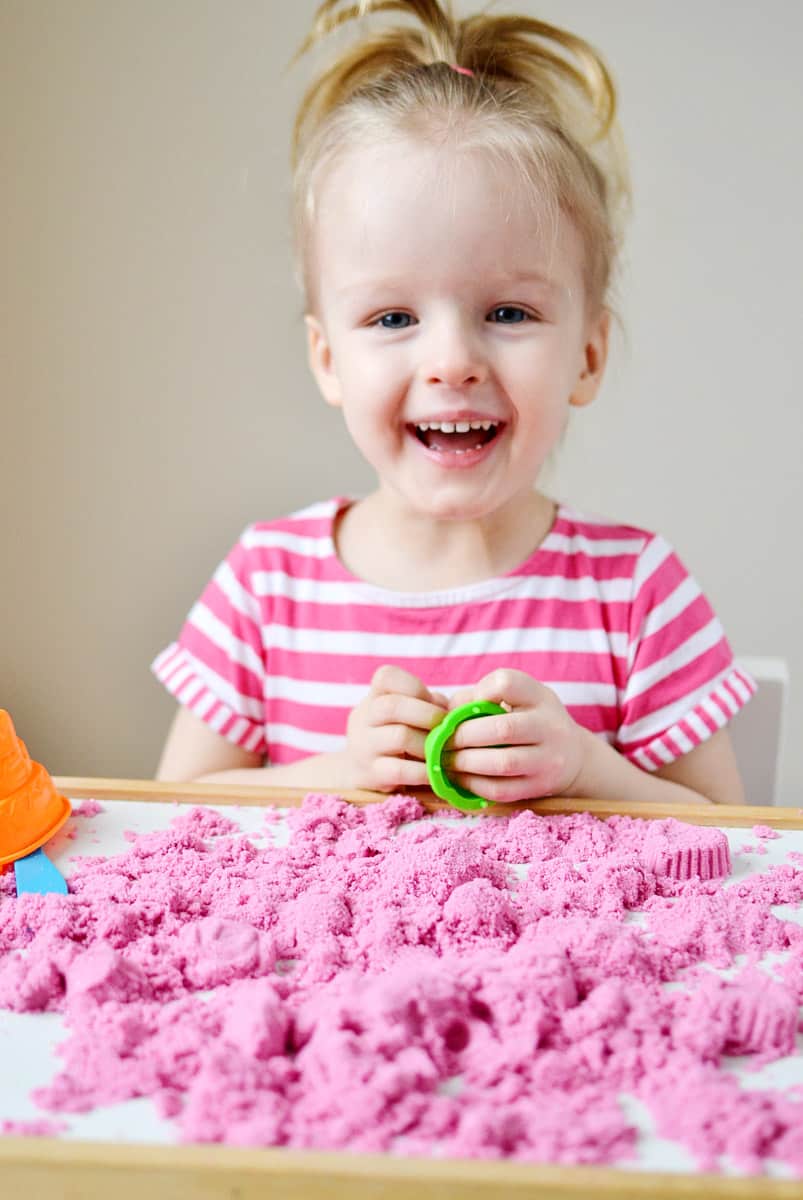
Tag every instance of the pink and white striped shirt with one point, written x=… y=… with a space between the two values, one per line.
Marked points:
x=283 y=642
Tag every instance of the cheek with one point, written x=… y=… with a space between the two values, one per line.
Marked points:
x=360 y=363
x=370 y=423
x=373 y=381
x=542 y=417
x=541 y=374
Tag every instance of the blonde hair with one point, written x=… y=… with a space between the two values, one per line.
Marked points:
x=537 y=97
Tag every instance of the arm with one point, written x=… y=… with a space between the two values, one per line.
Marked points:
x=708 y=772
x=193 y=751
x=383 y=751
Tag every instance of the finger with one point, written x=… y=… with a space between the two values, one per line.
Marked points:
x=439 y=699
x=394 y=679
x=514 y=688
x=500 y=791
x=399 y=740
x=394 y=709
x=389 y=773
x=519 y=728
x=494 y=762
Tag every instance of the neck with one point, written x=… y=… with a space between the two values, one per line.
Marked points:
x=386 y=543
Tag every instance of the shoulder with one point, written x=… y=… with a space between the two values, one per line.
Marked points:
x=661 y=592
x=299 y=545
x=573 y=522
x=611 y=549
x=602 y=544
x=306 y=532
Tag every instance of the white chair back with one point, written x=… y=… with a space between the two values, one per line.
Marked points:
x=757 y=729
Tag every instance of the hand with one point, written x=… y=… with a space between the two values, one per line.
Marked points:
x=385 y=733
x=534 y=750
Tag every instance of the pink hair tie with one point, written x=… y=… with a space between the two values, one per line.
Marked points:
x=461 y=70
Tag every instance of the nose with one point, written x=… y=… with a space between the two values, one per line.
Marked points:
x=454 y=358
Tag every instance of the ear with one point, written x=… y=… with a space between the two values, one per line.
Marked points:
x=319 y=354
x=595 y=356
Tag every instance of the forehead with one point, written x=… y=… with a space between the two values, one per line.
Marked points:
x=406 y=206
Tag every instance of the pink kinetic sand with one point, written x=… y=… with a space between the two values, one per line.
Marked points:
x=40 y=1128
x=388 y=982
x=87 y=808
x=683 y=851
x=766 y=832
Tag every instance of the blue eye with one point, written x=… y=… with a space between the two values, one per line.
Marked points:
x=394 y=320
x=509 y=314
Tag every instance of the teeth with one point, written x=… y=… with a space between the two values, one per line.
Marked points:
x=455 y=426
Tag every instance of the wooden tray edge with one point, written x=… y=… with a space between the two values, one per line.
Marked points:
x=79 y=788
x=51 y=1169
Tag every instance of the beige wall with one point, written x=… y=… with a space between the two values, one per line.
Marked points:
x=155 y=396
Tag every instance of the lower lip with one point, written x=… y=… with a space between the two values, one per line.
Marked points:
x=454 y=461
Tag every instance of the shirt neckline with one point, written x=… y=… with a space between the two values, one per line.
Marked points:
x=481 y=589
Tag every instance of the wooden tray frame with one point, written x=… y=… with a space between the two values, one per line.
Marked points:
x=54 y=1169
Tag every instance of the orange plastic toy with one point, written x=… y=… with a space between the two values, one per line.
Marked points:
x=31 y=810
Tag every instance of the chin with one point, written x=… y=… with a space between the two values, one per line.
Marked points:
x=457 y=509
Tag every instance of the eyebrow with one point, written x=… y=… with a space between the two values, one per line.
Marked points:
x=511 y=277
x=534 y=277
x=362 y=284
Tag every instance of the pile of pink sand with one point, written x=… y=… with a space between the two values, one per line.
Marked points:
x=372 y=987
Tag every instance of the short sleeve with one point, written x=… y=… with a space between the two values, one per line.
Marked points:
x=216 y=668
x=682 y=682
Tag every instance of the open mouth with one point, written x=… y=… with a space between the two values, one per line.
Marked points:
x=458 y=437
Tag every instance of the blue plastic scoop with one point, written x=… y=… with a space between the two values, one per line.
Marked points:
x=36 y=873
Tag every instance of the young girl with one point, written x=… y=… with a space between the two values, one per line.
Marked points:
x=457 y=185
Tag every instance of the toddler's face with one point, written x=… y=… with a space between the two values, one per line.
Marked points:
x=441 y=302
